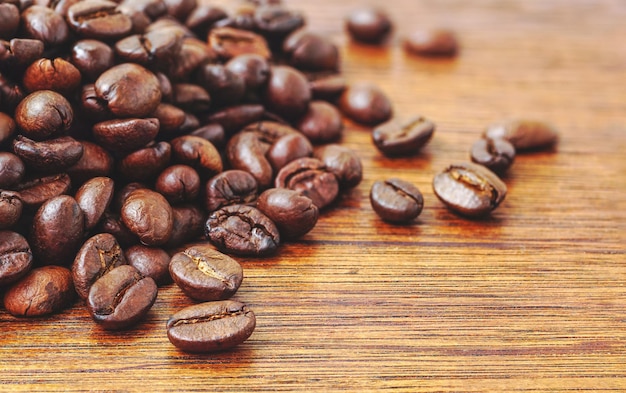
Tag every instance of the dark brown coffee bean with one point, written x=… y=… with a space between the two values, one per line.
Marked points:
x=7 y=126
x=44 y=290
x=34 y=192
x=310 y=51
x=469 y=189
x=293 y=213
x=156 y=48
x=368 y=25
x=121 y=298
x=145 y=164
x=288 y=148
x=310 y=177
x=58 y=228
x=343 y=162
x=253 y=68
x=11 y=207
x=235 y=118
x=365 y=103
x=321 y=123
x=275 y=22
x=203 y=17
x=11 y=95
x=188 y=225
x=524 y=134
x=44 y=24
x=153 y=9
x=93 y=107
x=197 y=153
x=149 y=216
x=121 y=135
x=401 y=138
x=57 y=75
x=11 y=169
x=396 y=200
x=180 y=9
x=170 y=117
x=190 y=97
x=16 y=258
x=213 y=133
x=211 y=326
x=95 y=161
x=98 y=255
x=223 y=85
x=94 y=197
x=92 y=58
x=495 y=154
x=19 y=53
x=51 y=156
x=230 y=187
x=166 y=22
x=193 y=54
x=205 y=274
x=228 y=42
x=287 y=93
x=112 y=223
x=9 y=20
x=242 y=230
x=99 y=19
x=43 y=114
x=178 y=184
x=150 y=262
x=432 y=42
x=327 y=87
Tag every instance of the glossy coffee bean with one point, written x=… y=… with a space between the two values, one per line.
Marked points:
x=151 y=262
x=51 y=156
x=148 y=215
x=57 y=75
x=112 y=223
x=12 y=169
x=213 y=133
x=7 y=126
x=9 y=20
x=495 y=154
x=226 y=87
x=401 y=138
x=178 y=184
x=293 y=213
x=253 y=68
x=154 y=49
x=321 y=123
x=469 y=189
x=310 y=177
x=396 y=200
x=205 y=274
x=43 y=291
x=343 y=162
x=275 y=21
x=95 y=161
x=16 y=258
x=120 y=135
x=121 y=298
x=287 y=93
x=191 y=97
x=524 y=134
x=325 y=86
x=145 y=164
x=19 y=53
x=368 y=25
x=310 y=51
x=188 y=225
x=432 y=42
x=92 y=58
x=365 y=103
x=230 y=187
x=228 y=42
x=35 y=191
x=192 y=55
x=98 y=255
x=242 y=230
x=288 y=148
x=99 y=19
x=235 y=118
x=11 y=207
x=11 y=94
x=44 y=24
x=43 y=114
x=211 y=326
x=170 y=118
x=197 y=153
x=94 y=198
x=203 y=17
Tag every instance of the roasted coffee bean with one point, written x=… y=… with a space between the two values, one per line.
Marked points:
x=327 y=87
x=58 y=228
x=401 y=138
x=99 y=19
x=16 y=258
x=190 y=97
x=154 y=49
x=310 y=177
x=42 y=23
x=524 y=134
x=121 y=298
x=321 y=123
x=9 y=20
x=310 y=51
x=51 y=156
x=44 y=114
x=253 y=68
x=7 y=126
x=205 y=274
x=92 y=58
x=11 y=169
x=129 y=90
x=203 y=17
x=396 y=200
x=92 y=106
x=98 y=255
x=188 y=225
x=228 y=42
x=19 y=53
x=223 y=85
x=275 y=22
x=148 y=215
x=365 y=103
x=120 y=195
x=44 y=290
x=287 y=93
x=343 y=162
x=197 y=153
x=34 y=192
x=230 y=187
x=368 y=25
x=242 y=230
x=121 y=135
x=57 y=75
x=193 y=54
x=178 y=184
x=153 y=9
x=95 y=161
x=293 y=213
x=145 y=164
x=469 y=189
x=495 y=154
x=235 y=118
x=166 y=22
x=11 y=207
x=211 y=326
x=170 y=117
x=11 y=95
x=94 y=197
x=288 y=148
x=151 y=262
x=112 y=223
x=432 y=42
x=180 y=9
x=213 y=133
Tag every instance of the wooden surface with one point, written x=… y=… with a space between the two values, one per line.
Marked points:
x=532 y=299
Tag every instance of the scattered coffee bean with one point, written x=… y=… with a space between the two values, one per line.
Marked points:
x=368 y=25
x=432 y=42
x=396 y=138
x=293 y=213
x=396 y=200
x=524 y=134
x=365 y=103
x=495 y=154
x=343 y=162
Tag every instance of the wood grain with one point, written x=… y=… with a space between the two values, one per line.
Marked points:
x=532 y=299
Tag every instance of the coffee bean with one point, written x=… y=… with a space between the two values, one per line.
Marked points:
x=121 y=135
x=368 y=25
x=98 y=255
x=18 y=54
x=34 y=192
x=230 y=187
x=253 y=68
x=396 y=200
x=112 y=223
x=211 y=326
x=154 y=49
x=148 y=215
x=191 y=97
x=469 y=189
x=11 y=169
x=49 y=156
x=213 y=133
x=145 y=164
x=310 y=177
x=287 y=92
x=94 y=197
x=235 y=118
x=150 y=262
x=99 y=19
x=7 y=126
x=188 y=225
x=204 y=274
x=293 y=213
x=432 y=42
x=197 y=153
x=310 y=51
x=43 y=114
x=228 y=42
x=57 y=75
x=16 y=257
x=9 y=20
x=226 y=87
x=524 y=134
x=396 y=138
x=10 y=208
x=343 y=162
x=44 y=24
x=321 y=123
x=95 y=161
x=495 y=154
x=180 y=9
x=178 y=184
x=288 y=148
x=242 y=230
x=92 y=58
x=203 y=17
x=121 y=298
x=365 y=103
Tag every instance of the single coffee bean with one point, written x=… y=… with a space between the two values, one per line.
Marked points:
x=310 y=177
x=16 y=258
x=34 y=192
x=254 y=69
x=242 y=230
x=92 y=58
x=325 y=86
x=9 y=20
x=121 y=298
x=293 y=213
x=213 y=133
x=310 y=51
x=432 y=42
x=211 y=326
x=148 y=215
x=288 y=148
x=49 y=156
x=188 y=225
x=343 y=162
x=396 y=200
x=230 y=187
x=287 y=93
x=180 y=9
x=321 y=123
x=235 y=118
x=94 y=198
x=99 y=19
x=95 y=161
x=228 y=42
x=197 y=153
x=193 y=54
x=7 y=126
x=524 y=134
x=226 y=87
x=98 y=255
x=495 y=154
x=190 y=97
x=205 y=274
x=93 y=106
x=150 y=262
x=43 y=291
x=43 y=114
x=145 y=164
x=12 y=169
x=365 y=103
x=153 y=9
x=178 y=184
x=203 y=17
x=57 y=75
x=170 y=118
x=121 y=135
x=368 y=25
x=154 y=49
x=469 y=189
x=44 y=24
x=395 y=138
x=19 y=53
x=10 y=208
x=275 y=22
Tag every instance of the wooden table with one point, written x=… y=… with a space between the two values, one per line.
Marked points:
x=531 y=299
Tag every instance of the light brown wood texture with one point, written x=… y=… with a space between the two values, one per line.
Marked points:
x=532 y=299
